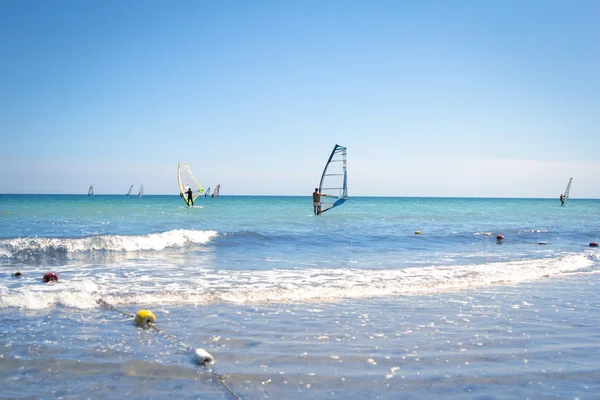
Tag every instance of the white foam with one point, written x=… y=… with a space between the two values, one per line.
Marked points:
x=38 y=246
x=166 y=284
x=308 y=285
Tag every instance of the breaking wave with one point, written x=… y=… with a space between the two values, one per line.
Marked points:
x=32 y=247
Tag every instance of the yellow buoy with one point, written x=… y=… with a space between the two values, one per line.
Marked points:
x=417 y=232
x=145 y=317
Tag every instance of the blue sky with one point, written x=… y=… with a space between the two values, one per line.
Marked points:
x=431 y=98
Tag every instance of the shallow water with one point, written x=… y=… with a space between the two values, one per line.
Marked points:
x=351 y=304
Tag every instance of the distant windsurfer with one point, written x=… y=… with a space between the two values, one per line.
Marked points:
x=562 y=200
x=190 y=197
x=317 y=201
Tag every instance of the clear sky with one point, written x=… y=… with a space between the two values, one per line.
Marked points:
x=431 y=98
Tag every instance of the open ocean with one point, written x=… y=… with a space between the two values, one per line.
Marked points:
x=349 y=305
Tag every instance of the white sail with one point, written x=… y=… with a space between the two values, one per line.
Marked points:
x=216 y=191
x=91 y=190
x=565 y=195
x=141 y=193
x=129 y=191
x=568 y=189
x=207 y=193
x=334 y=181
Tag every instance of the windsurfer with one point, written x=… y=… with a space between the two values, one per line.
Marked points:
x=562 y=199
x=317 y=201
x=190 y=197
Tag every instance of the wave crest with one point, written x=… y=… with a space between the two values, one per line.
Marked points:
x=32 y=247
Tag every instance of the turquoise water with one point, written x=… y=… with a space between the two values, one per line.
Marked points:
x=351 y=304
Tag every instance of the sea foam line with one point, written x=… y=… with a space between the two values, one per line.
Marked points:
x=159 y=286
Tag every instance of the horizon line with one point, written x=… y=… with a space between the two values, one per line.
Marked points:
x=308 y=196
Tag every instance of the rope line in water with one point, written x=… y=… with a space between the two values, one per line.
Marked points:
x=105 y=304
x=220 y=378
x=172 y=337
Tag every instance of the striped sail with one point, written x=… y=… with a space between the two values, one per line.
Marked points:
x=334 y=181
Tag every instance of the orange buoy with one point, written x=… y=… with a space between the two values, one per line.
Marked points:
x=50 y=277
x=594 y=244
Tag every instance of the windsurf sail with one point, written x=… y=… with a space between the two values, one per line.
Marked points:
x=129 y=191
x=207 y=193
x=334 y=181
x=566 y=194
x=186 y=180
x=141 y=193
x=91 y=190
x=216 y=191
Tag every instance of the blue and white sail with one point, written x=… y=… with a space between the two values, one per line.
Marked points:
x=129 y=191
x=334 y=181
x=207 y=193
x=91 y=190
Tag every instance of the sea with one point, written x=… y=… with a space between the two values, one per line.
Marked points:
x=379 y=298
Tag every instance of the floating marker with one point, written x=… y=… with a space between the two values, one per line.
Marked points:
x=594 y=244
x=17 y=274
x=417 y=232
x=50 y=277
x=144 y=318
x=203 y=357
x=542 y=242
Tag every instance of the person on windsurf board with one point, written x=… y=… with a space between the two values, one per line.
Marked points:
x=317 y=201
x=190 y=197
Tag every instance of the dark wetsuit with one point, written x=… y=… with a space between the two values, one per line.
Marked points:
x=190 y=197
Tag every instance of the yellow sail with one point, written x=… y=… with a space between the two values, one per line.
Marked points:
x=186 y=181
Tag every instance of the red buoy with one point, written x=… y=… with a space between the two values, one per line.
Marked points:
x=500 y=237
x=50 y=276
x=594 y=244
